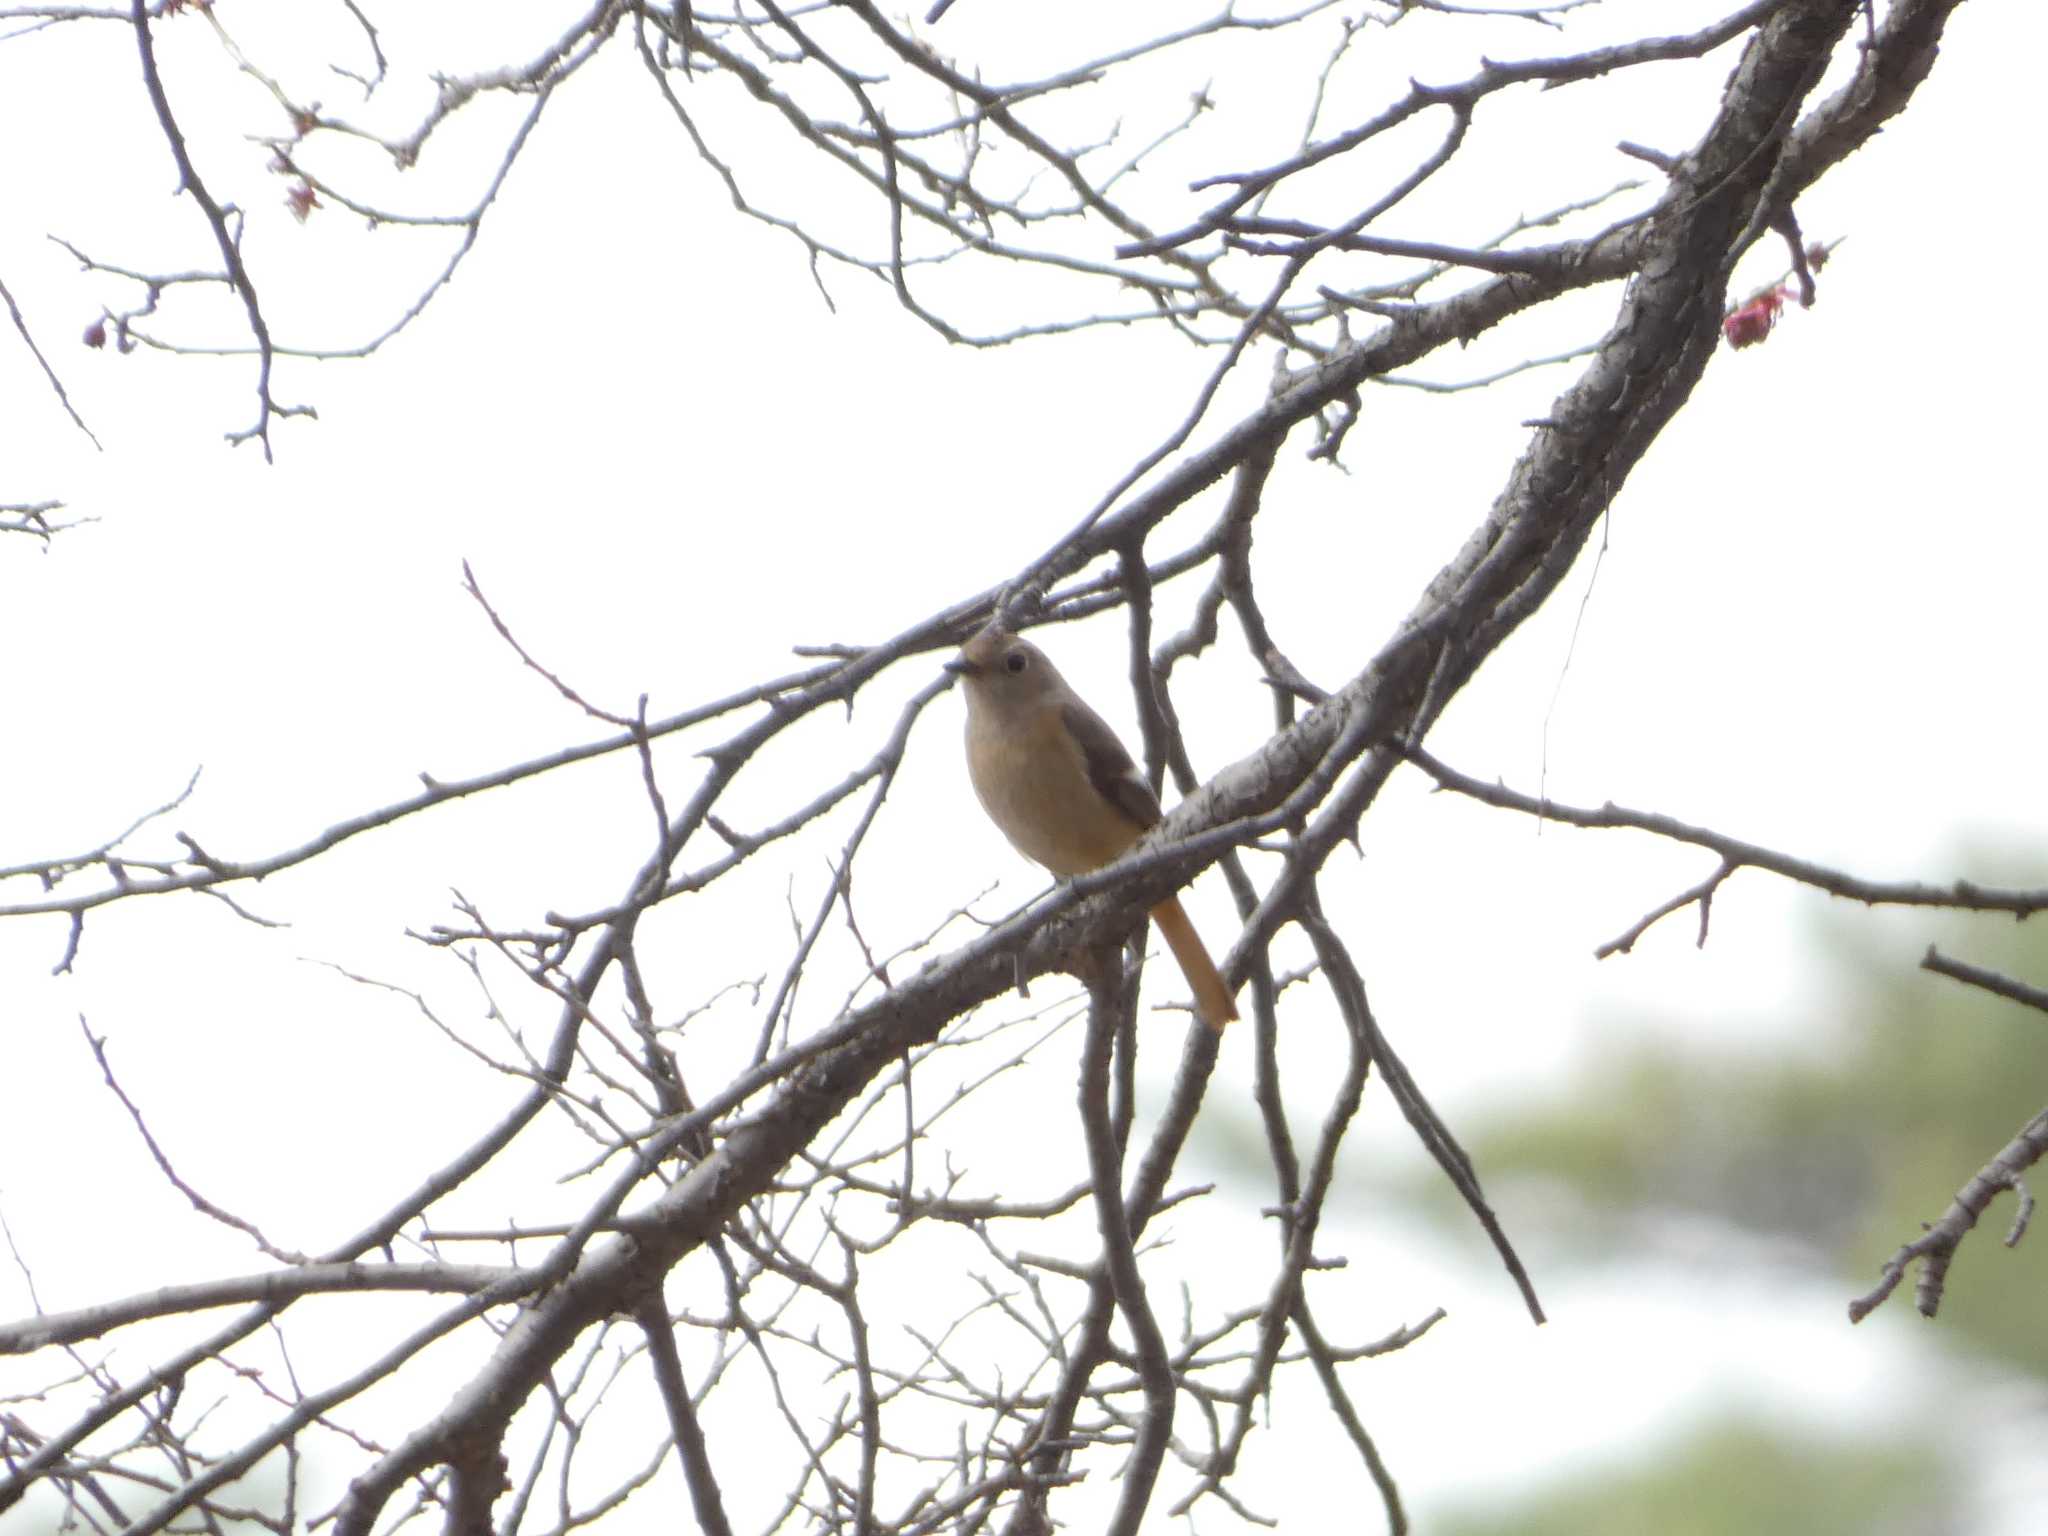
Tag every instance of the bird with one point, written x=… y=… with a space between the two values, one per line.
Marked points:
x=1059 y=785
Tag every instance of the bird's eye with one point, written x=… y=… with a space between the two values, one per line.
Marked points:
x=1015 y=662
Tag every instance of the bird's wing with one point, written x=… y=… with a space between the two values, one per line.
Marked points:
x=1110 y=769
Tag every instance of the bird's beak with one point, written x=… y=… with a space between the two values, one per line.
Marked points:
x=960 y=666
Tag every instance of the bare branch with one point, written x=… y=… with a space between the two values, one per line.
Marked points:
x=228 y=240
x=1936 y=1250
x=1961 y=895
x=682 y=1418
x=271 y=1289
x=56 y=386
x=1991 y=981
x=1109 y=1000
x=199 y=1202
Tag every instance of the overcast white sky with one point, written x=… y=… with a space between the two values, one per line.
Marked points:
x=1817 y=625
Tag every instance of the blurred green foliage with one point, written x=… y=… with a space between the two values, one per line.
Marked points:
x=1886 y=1100
x=1737 y=1475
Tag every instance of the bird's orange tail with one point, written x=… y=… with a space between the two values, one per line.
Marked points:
x=1212 y=996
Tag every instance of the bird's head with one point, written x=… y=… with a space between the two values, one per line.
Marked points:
x=1004 y=671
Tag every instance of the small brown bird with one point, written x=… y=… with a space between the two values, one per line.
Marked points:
x=1054 y=778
